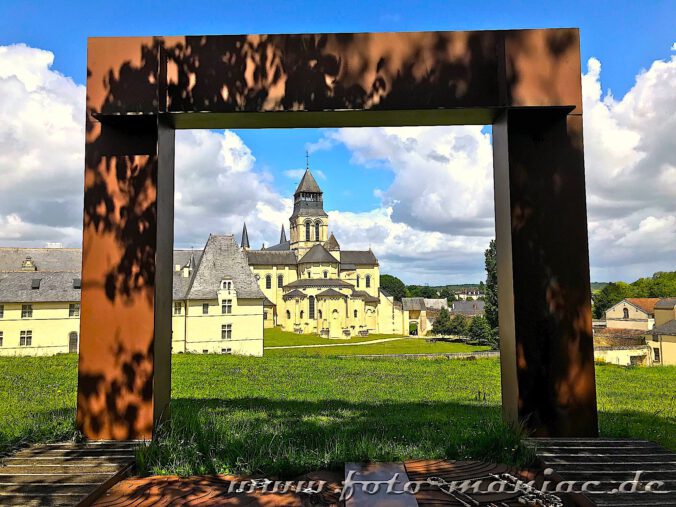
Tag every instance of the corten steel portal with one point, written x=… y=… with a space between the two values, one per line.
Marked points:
x=526 y=83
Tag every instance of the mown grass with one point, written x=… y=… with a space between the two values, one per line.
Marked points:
x=286 y=415
x=275 y=337
x=401 y=346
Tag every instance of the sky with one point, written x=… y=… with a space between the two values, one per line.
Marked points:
x=421 y=198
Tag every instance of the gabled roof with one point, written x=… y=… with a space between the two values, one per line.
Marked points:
x=435 y=303
x=645 y=304
x=223 y=259
x=279 y=247
x=328 y=293
x=271 y=257
x=413 y=303
x=295 y=293
x=308 y=184
x=318 y=282
x=358 y=257
x=318 y=254
x=332 y=243
x=467 y=307
x=666 y=304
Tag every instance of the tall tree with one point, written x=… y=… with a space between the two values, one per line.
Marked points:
x=442 y=324
x=393 y=286
x=491 y=296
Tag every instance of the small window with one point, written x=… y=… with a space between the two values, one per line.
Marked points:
x=2 y=336
x=226 y=351
x=205 y=308
x=226 y=332
x=288 y=315
x=26 y=338
x=657 y=354
x=177 y=308
x=205 y=351
x=268 y=282
x=317 y=225
x=226 y=285
x=302 y=314
x=226 y=306
x=355 y=314
x=326 y=274
x=368 y=281
x=358 y=278
x=626 y=313
x=265 y=315
x=309 y=273
x=2 y=311
x=280 y=281
x=74 y=310
x=26 y=311
x=308 y=226
x=319 y=313
x=35 y=283
x=77 y=283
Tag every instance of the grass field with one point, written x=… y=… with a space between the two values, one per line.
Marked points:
x=286 y=415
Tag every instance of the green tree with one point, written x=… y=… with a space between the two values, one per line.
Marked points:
x=447 y=294
x=459 y=325
x=491 y=289
x=393 y=286
x=611 y=294
x=442 y=324
x=480 y=331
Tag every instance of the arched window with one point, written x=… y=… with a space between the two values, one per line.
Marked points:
x=226 y=285
x=368 y=281
x=288 y=315
x=280 y=281
x=626 y=313
x=319 y=313
x=326 y=274
x=317 y=224
x=308 y=226
x=358 y=280
x=312 y=307
x=355 y=314
x=302 y=314
x=268 y=282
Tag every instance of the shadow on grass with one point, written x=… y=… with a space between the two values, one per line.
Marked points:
x=286 y=438
x=39 y=427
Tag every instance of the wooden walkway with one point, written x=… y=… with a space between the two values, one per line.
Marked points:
x=63 y=474
x=611 y=462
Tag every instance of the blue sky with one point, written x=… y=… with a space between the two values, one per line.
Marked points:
x=366 y=176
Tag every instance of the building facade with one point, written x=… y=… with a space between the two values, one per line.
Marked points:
x=632 y=313
x=663 y=336
x=314 y=286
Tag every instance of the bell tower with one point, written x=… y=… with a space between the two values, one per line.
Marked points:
x=309 y=222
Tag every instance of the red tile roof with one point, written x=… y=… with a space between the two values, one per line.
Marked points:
x=646 y=304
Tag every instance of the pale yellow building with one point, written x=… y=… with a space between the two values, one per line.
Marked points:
x=315 y=286
x=632 y=313
x=218 y=307
x=663 y=338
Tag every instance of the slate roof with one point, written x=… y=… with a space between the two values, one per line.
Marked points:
x=46 y=259
x=279 y=247
x=318 y=282
x=295 y=293
x=332 y=243
x=308 y=184
x=330 y=293
x=223 y=259
x=668 y=328
x=645 y=304
x=467 y=307
x=347 y=267
x=358 y=257
x=365 y=296
x=15 y=287
x=413 y=303
x=665 y=303
x=271 y=258
x=436 y=303
x=318 y=254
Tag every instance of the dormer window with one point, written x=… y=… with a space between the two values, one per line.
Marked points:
x=28 y=265
x=35 y=283
x=226 y=285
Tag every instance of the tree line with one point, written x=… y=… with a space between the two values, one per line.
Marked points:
x=661 y=285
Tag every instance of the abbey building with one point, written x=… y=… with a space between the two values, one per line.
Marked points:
x=313 y=285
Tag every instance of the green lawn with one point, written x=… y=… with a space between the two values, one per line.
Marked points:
x=286 y=415
x=275 y=337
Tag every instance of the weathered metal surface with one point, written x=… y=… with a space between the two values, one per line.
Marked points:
x=528 y=81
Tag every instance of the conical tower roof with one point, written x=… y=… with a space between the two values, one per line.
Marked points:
x=308 y=184
x=332 y=243
x=245 y=238
x=282 y=236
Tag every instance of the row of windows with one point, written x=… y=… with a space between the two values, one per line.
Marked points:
x=25 y=338
x=226 y=308
x=280 y=280
x=312 y=311
x=268 y=281
x=27 y=311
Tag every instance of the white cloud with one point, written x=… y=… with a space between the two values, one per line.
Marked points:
x=297 y=174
